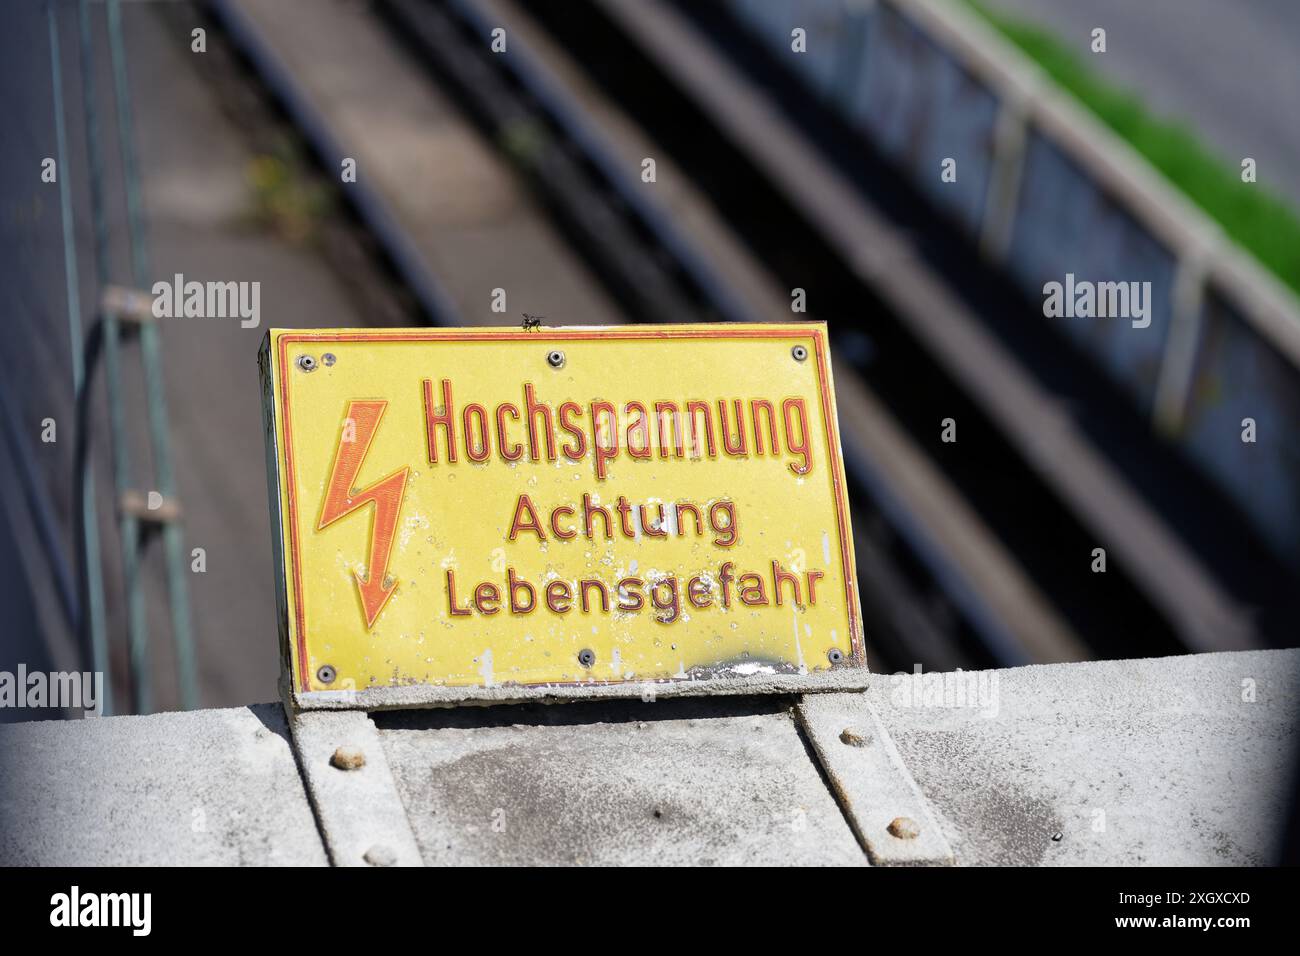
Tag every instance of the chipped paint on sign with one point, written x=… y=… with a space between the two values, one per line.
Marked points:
x=438 y=490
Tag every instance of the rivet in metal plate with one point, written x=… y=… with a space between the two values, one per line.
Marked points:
x=799 y=352
x=326 y=674
x=306 y=363
x=555 y=358
x=904 y=828
x=586 y=657
x=348 y=758
x=380 y=855
x=851 y=738
x=835 y=655
x=328 y=358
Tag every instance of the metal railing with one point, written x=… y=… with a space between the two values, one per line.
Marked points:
x=1045 y=189
x=139 y=514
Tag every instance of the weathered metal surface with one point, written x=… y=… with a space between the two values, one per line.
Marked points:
x=884 y=256
x=928 y=82
x=499 y=514
x=1067 y=225
x=826 y=51
x=1237 y=376
x=883 y=804
x=703 y=685
x=210 y=787
x=352 y=790
x=922 y=109
x=920 y=105
x=771 y=20
x=709 y=782
x=1167 y=762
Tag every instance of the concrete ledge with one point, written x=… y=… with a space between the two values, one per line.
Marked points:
x=207 y=788
x=1184 y=760
x=1170 y=761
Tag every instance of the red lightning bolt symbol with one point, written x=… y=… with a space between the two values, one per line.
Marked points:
x=359 y=428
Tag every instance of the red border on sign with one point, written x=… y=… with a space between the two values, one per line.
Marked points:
x=470 y=335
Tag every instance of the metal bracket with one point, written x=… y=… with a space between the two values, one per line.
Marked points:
x=128 y=305
x=885 y=808
x=360 y=813
x=152 y=507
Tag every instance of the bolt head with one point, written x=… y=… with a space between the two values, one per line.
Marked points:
x=904 y=828
x=380 y=855
x=348 y=758
x=851 y=738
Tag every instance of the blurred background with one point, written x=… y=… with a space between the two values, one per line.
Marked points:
x=1024 y=488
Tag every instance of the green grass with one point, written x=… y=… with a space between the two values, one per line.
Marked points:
x=1257 y=219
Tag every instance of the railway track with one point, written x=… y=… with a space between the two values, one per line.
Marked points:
x=973 y=552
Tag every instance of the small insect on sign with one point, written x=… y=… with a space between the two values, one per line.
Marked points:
x=503 y=514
